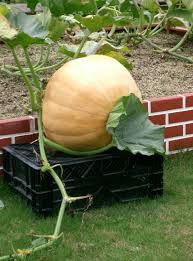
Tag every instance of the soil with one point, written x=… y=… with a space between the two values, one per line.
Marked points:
x=156 y=74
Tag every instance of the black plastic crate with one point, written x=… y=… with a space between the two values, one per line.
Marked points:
x=112 y=176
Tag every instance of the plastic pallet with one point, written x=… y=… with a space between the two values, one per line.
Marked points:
x=112 y=176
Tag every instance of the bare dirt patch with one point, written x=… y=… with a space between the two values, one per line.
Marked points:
x=156 y=75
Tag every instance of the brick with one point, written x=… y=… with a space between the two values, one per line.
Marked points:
x=4 y=142
x=158 y=119
x=189 y=128
x=145 y=103
x=1 y=160
x=36 y=123
x=181 y=144
x=189 y=99
x=181 y=116
x=166 y=103
x=12 y=126
x=26 y=138
x=173 y=131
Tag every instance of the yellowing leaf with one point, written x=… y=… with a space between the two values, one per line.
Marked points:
x=23 y=251
x=6 y=31
x=3 y=9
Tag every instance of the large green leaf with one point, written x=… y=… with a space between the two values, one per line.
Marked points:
x=17 y=28
x=182 y=13
x=96 y=22
x=32 y=4
x=69 y=50
x=131 y=129
x=60 y=7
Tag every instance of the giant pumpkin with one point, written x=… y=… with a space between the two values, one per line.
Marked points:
x=79 y=97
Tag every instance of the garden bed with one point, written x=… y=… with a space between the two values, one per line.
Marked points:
x=156 y=74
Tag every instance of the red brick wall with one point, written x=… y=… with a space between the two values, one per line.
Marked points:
x=17 y=130
x=174 y=112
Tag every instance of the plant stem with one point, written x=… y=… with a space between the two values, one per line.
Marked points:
x=60 y=217
x=149 y=26
x=46 y=165
x=46 y=57
x=33 y=73
x=40 y=58
x=140 y=15
x=181 y=57
x=155 y=46
x=81 y=44
x=156 y=32
x=37 y=69
x=113 y=29
x=182 y=41
x=26 y=80
x=77 y=153
x=51 y=66
x=158 y=25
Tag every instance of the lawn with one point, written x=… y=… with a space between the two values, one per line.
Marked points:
x=160 y=229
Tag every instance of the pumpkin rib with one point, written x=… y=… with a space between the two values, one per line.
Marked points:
x=71 y=134
x=53 y=121
x=86 y=85
x=69 y=101
x=78 y=109
x=80 y=142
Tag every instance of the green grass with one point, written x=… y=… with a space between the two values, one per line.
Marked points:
x=160 y=229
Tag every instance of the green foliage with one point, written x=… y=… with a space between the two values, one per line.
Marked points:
x=97 y=22
x=131 y=129
x=180 y=14
x=60 y=7
x=151 y=5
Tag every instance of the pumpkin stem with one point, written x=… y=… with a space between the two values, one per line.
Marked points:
x=58 y=147
x=26 y=80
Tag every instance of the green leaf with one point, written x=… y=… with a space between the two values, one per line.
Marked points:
x=182 y=13
x=17 y=28
x=1 y=205
x=151 y=5
x=131 y=129
x=120 y=58
x=176 y=21
x=32 y=4
x=67 y=49
x=54 y=25
x=4 y=9
x=54 y=33
x=96 y=22
x=61 y=7
x=107 y=47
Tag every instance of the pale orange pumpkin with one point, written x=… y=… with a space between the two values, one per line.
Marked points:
x=79 y=97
